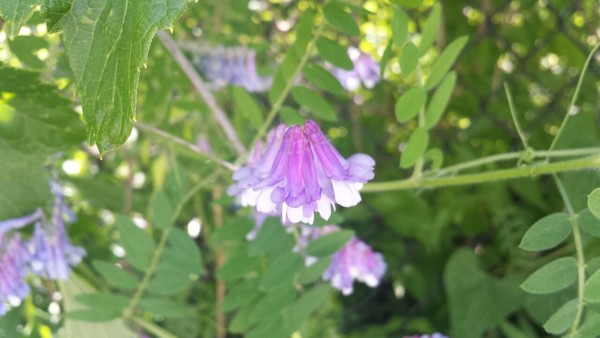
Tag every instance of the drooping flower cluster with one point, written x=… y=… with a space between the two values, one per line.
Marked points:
x=365 y=71
x=233 y=66
x=14 y=258
x=355 y=261
x=48 y=253
x=299 y=173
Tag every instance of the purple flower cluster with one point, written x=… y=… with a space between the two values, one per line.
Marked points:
x=355 y=261
x=233 y=66
x=48 y=253
x=14 y=258
x=365 y=71
x=299 y=173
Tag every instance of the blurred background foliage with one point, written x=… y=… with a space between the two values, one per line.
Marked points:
x=454 y=265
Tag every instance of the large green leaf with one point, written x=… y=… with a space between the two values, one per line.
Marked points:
x=323 y=79
x=399 y=26
x=439 y=101
x=35 y=122
x=431 y=29
x=408 y=105
x=547 y=233
x=562 y=319
x=333 y=53
x=120 y=278
x=415 y=148
x=340 y=19
x=313 y=102
x=139 y=246
x=15 y=13
x=476 y=300
x=107 y=43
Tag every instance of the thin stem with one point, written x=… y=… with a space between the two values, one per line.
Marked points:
x=513 y=156
x=531 y=170
x=418 y=169
x=219 y=261
x=161 y=246
x=580 y=256
x=574 y=99
x=179 y=141
x=513 y=113
x=288 y=86
x=206 y=95
x=153 y=328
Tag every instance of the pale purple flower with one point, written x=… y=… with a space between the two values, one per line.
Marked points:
x=19 y=222
x=300 y=173
x=52 y=252
x=232 y=65
x=365 y=71
x=434 y=335
x=355 y=261
x=14 y=259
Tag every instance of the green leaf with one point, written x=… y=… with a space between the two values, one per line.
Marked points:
x=593 y=202
x=35 y=121
x=329 y=243
x=247 y=106
x=323 y=79
x=166 y=307
x=333 y=53
x=106 y=301
x=313 y=102
x=311 y=273
x=15 y=13
x=289 y=66
x=408 y=3
x=388 y=52
x=443 y=63
x=272 y=329
x=562 y=319
x=162 y=211
x=237 y=265
x=272 y=303
x=169 y=281
x=399 y=26
x=476 y=300
x=107 y=44
x=281 y=271
x=409 y=59
x=431 y=29
x=436 y=157
x=240 y=295
x=409 y=104
x=591 y=291
x=547 y=233
x=234 y=230
x=79 y=318
x=139 y=246
x=552 y=277
x=115 y=276
x=241 y=321
x=335 y=218
x=415 y=148
x=297 y=312
x=182 y=254
x=25 y=48
x=340 y=19
x=291 y=117
x=588 y=222
x=439 y=101
x=268 y=237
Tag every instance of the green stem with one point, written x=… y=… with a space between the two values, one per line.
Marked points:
x=515 y=156
x=288 y=86
x=418 y=169
x=575 y=97
x=153 y=328
x=580 y=256
x=513 y=113
x=531 y=170
x=129 y=312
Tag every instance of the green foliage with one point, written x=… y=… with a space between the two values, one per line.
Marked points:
x=415 y=147
x=247 y=106
x=409 y=104
x=409 y=59
x=329 y=243
x=115 y=276
x=445 y=61
x=439 y=101
x=431 y=29
x=333 y=53
x=339 y=18
x=547 y=233
x=562 y=319
x=399 y=25
x=322 y=79
x=16 y=13
x=106 y=52
x=552 y=277
x=139 y=246
x=594 y=202
x=313 y=102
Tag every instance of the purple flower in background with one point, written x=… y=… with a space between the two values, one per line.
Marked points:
x=14 y=259
x=52 y=252
x=434 y=335
x=365 y=71
x=300 y=173
x=231 y=65
x=355 y=261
